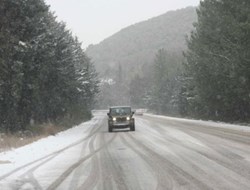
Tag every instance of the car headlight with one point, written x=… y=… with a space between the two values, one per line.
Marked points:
x=114 y=119
x=128 y=118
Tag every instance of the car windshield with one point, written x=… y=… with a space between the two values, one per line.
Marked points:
x=120 y=111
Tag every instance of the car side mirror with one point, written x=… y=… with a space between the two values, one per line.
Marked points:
x=133 y=112
x=108 y=114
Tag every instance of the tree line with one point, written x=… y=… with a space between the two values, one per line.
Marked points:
x=45 y=75
x=213 y=81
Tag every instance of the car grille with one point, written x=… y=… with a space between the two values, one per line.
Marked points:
x=121 y=119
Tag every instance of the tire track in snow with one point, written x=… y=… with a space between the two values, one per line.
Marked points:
x=200 y=155
x=115 y=170
x=177 y=173
x=106 y=169
x=160 y=174
x=93 y=177
x=49 y=157
x=66 y=173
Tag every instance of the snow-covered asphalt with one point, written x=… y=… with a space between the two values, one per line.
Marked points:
x=163 y=153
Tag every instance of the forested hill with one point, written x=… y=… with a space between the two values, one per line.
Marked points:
x=136 y=45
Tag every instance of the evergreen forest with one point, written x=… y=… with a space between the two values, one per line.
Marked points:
x=216 y=81
x=45 y=76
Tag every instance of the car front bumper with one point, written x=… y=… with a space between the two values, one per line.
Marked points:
x=120 y=124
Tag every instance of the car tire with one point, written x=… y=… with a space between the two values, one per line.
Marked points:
x=110 y=129
x=132 y=128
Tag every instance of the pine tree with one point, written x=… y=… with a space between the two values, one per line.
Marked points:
x=218 y=60
x=165 y=84
x=41 y=66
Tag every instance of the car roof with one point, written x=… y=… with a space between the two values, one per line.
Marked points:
x=120 y=107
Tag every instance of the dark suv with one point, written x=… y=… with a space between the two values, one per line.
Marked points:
x=121 y=117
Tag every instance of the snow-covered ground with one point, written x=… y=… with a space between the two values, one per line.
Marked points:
x=206 y=123
x=18 y=157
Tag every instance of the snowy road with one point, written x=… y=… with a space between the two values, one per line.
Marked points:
x=163 y=153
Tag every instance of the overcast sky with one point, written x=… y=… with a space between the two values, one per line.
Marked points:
x=94 y=20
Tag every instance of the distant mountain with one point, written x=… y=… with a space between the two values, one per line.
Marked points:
x=136 y=45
